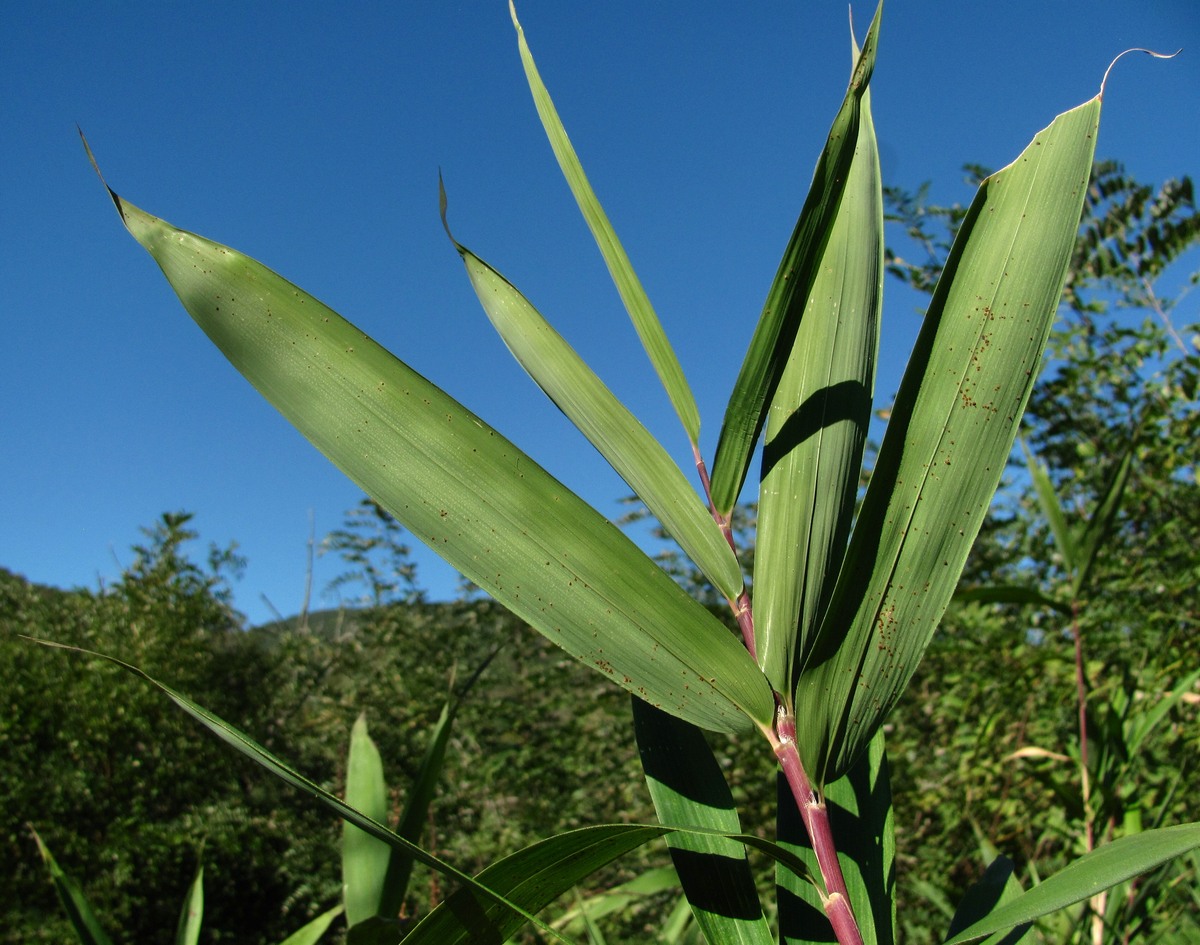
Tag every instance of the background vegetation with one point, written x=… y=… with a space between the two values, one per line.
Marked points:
x=985 y=747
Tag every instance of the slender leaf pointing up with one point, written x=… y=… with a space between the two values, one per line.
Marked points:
x=641 y=312
x=952 y=428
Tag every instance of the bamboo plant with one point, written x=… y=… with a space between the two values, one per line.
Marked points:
x=845 y=599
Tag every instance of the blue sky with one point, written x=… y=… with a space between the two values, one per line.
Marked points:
x=310 y=136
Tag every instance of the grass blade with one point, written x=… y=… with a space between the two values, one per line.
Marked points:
x=817 y=425
x=462 y=488
x=1047 y=498
x=79 y=911
x=772 y=341
x=645 y=321
x=310 y=933
x=952 y=428
x=192 y=914
x=256 y=753
x=603 y=419
x=537 y=875
x=364 y=857
x=1103 y=868
x=995 y=888
x=689 y=790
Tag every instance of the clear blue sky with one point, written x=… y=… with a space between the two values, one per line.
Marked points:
x=310 y=136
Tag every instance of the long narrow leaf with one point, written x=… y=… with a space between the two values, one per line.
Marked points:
x=1099 y=524
x=364 y=858
x=460 y=487
x=311 y=932
x=1103 y=868
x=191 y=915
x=537 y=875
x=689 y=790
x=645 y=321
x=1047 y=498
x=817 y=425
x=79 y=911
x=952 y=428
x=416 y=807
x=255 y=752
x=772 y=341
x=609 y=426
x=995 y=888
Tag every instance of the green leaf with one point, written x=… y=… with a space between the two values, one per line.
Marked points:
x=310 y=933
x=255 y=752
x=463 y=489
x=1103 y=868
x=609 y=426
x=861 y=819
x=1099 y=524
x=1051 y=508
x=364 y=857
x=995 y=888
x=645 y=321
x=771 y=344
x=619 y=898
x=74 y=902
x=192 y=914
x=537 y=875
x=951 y=430
x=817 y=425
x=689 y=790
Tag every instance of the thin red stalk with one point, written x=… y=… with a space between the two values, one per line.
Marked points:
x=816 y=821
x=742 y=611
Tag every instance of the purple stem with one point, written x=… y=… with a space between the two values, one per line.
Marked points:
x=816 y=821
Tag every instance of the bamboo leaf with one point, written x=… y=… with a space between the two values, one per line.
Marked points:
x=771 y=343
x=192 y=913
x=1099 y=525
x=817 y=424
x=951 y=430
x=537 y=875
x=621 y=439
x=311 y=932
x=1047 y=498
x=79 y=911
x=364 y=857
x=1103 y=868
x=689 y=790
x=461 y=487
x=645 y=321
x=995 y=888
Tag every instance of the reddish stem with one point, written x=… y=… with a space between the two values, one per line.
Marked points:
x=816 y=821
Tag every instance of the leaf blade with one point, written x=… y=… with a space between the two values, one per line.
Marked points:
x=689 y=790
x=641 y=312
x=364 y=857
x=771 y=342
x=461 y=487
x=817 y=424
x=1101 y=869
x=951 y=431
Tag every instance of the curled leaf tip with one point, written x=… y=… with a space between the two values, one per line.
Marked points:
x=1148 y=52
x=512 y=11
x=442 y=210
x=96 y=167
